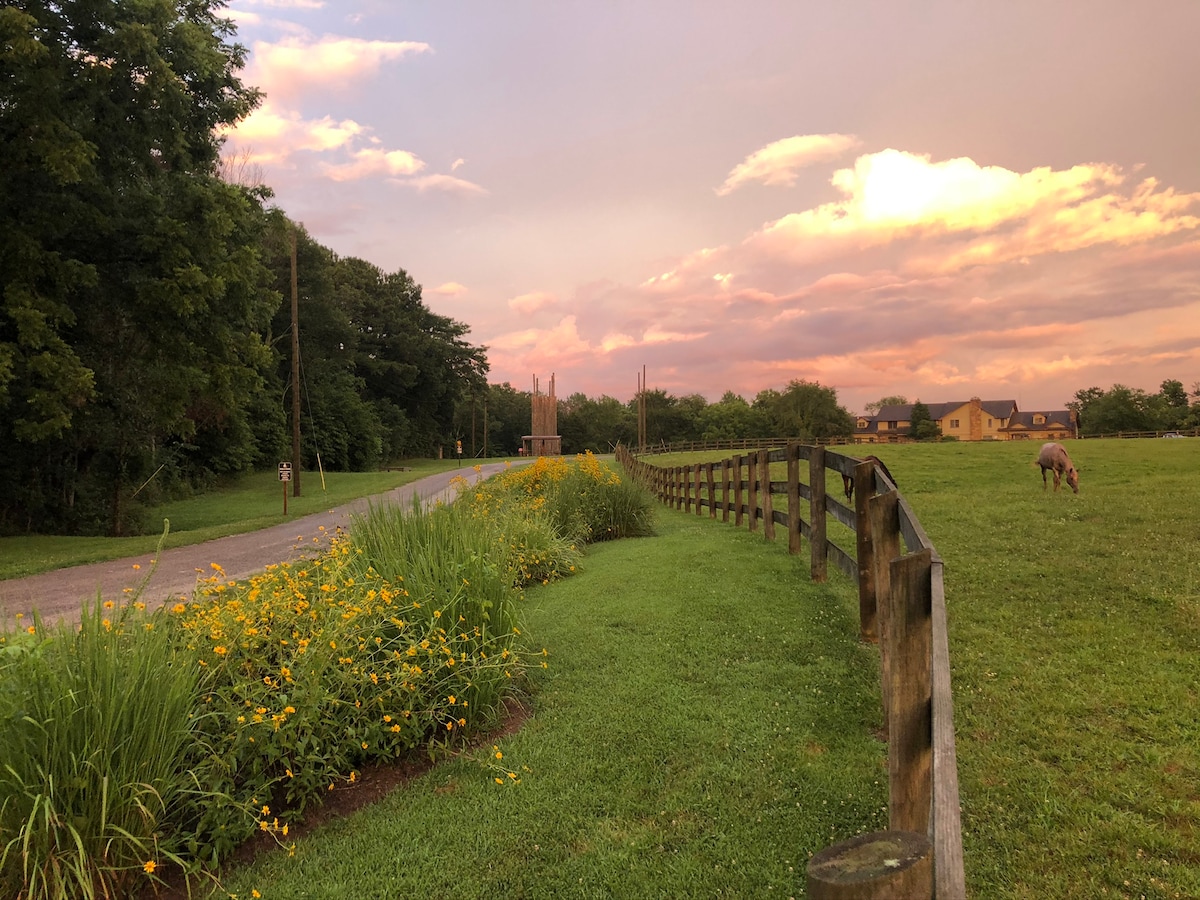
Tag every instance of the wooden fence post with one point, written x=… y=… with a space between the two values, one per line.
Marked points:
x=885 y=544
x=768 y=505
x=752 y=490
x=864 y=490
x=737 y=490
x=816 y=538
x=699 y=472
x=686 y=483
x=793 y=497
x=712 y=495
x=881 y=865
x=726 y=465
x=910 y=730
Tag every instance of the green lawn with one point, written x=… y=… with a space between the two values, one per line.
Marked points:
x=705 y=725
x=1075 y=648
x=250 y=503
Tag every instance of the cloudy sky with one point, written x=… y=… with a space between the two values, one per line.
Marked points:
x=939 y=199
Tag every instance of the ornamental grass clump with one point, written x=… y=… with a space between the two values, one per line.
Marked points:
x=585 y=499
x=101 y=754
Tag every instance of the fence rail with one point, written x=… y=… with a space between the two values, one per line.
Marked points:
x=902 y=607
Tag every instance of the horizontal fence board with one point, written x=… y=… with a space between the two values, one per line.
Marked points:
x=949 y=874
x=841 y=512
x=843 y=465
x=843 y=560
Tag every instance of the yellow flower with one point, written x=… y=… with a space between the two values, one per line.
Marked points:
x=220 y=651
x=149 y=866
x=254 y=893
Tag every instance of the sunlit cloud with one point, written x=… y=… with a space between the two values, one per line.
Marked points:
x=1001 y=214
x=777 y=163
x=446 y=183
x=450 y=289
x=373 y=161
x=458 y=162
x=531 y=303
x=271 y=133
x=299 y=65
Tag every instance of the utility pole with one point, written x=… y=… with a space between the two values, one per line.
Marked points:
x=295 y=373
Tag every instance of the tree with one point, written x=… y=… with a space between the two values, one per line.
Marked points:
x=133 y=297
x=732 y=418
x=921 y=425
x=1118 y=409
x=805 y=410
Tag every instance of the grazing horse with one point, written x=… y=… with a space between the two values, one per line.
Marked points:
x=848 y=480
x=1054 y=457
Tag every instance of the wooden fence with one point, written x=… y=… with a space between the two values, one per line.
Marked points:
x=902 y=607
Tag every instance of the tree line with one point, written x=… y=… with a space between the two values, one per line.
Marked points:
x=803 y=409
x=1122 y=408
x=145 y=314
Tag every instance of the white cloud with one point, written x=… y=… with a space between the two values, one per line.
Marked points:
x=777 y=163
x=450 y=289
x=300 y=65
x=373 y=161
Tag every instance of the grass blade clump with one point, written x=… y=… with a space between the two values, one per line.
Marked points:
x=96 y=754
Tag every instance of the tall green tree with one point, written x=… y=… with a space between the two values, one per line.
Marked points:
x=921 y=425
x=805 y=410
x=133 y=296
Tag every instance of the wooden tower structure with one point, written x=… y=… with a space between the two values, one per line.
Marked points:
x=544 y=439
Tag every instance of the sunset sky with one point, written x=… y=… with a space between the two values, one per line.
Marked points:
x=936 y=199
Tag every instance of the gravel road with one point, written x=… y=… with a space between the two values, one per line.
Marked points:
x=58 y=595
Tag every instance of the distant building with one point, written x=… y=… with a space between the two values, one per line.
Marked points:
x=970 y=420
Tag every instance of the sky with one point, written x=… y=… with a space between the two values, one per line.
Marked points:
x=937 y=200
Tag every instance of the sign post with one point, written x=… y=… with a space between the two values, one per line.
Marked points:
x=285 y=475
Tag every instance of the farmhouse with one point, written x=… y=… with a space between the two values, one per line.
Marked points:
x=970 y=420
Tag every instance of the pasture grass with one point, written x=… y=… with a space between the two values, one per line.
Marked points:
x=1074 y=645
x=705 y=724
x=248 y=503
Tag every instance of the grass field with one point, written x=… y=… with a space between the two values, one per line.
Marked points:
x=1075 y=648
x=246 y=504
x=706 y=721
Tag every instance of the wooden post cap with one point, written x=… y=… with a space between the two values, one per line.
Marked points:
x=881 y=865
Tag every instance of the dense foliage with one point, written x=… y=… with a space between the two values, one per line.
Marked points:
x=143 y=299
x=1122 y=408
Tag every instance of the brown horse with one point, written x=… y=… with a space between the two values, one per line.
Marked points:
x=848 y=481
x=1054 y=457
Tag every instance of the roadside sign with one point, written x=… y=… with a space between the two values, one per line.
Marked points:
x=285 y=471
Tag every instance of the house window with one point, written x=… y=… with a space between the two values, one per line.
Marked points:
x=891 y=425
x=1039 y=419
x=989 y=423
x=954 y=423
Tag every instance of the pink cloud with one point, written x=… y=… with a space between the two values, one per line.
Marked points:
x=777 y=163
x=528 y=304
x=297 y=66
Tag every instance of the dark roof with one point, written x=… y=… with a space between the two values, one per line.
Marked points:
x=1055 y=418
x=997 y=409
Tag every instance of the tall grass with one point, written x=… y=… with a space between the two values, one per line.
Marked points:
x=97 y=754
